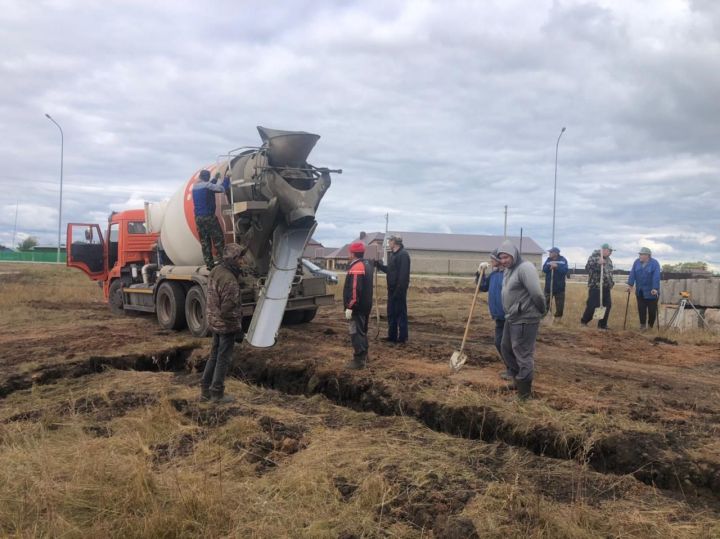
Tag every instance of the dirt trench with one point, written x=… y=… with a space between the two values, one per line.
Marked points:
x=649 y=457
x=168 y=359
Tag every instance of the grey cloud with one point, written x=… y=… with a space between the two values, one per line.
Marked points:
x=439 y=113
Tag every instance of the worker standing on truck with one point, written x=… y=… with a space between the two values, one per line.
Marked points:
x=358 y=301
x=398 y=281
x=208 y=227
x=224 y=316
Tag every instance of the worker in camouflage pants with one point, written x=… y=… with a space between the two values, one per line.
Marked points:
x=208 y=227
x=210 y=233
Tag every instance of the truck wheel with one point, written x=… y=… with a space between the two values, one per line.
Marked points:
x=115 y=297
x=195 y=312
x=309 y=314
x=170 y=305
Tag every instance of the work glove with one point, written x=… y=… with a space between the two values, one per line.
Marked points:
x=348 y=314
x=483 y=266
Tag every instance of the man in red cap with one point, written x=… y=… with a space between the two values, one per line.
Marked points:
x=358 y=299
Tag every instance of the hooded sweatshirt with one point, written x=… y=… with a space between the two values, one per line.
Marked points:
x=522 y=295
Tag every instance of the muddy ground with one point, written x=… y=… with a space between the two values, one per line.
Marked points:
x=620 y=440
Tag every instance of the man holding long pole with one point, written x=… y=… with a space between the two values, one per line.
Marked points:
x=555 y=269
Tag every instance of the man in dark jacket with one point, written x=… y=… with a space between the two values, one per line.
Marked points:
x=524 y=306
x=645 y=277
x=599 y=259
x=555 y=270
x=208 y=227
x=358 y=300
x=224 y=316
x=398 y=281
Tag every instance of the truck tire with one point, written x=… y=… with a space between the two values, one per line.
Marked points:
x=195 y=312
x=309 y=314
x=170 y=305
x=115 y=297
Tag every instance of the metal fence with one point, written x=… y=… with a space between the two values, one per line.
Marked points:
x=31 y=256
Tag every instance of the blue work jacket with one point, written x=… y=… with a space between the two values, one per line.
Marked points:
x=558 y=280
x=645 y=278
x=203 y=194
x=492 y=284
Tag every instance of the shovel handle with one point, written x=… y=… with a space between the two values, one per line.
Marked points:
x=472 y=310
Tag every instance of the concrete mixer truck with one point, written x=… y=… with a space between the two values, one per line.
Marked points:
x=150 y=259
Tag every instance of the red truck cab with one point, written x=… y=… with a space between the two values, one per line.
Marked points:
x=115 y=259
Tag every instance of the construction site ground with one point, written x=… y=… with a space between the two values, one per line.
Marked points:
x=101 y=432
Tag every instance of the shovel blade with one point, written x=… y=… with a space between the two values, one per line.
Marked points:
x=599 y=313
x=457 y=360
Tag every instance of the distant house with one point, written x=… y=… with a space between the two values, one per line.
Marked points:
x=337 y=259
x=315 y=252
x=448 y=254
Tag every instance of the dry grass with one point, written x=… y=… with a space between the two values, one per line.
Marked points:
x=130 y=454
x=61 y=480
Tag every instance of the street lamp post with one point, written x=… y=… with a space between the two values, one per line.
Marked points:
x=557 y=144
x=62 y=153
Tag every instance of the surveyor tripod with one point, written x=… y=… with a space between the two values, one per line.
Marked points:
x=679 y=313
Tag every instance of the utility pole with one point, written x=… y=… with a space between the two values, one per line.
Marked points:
x=505 y=228
x=385 y=239
x=521 y=236
x=12 y=245
x=557 y=144
x=62 y=152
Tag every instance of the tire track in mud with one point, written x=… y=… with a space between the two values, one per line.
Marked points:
x=648 y=457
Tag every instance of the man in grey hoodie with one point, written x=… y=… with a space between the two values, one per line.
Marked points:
x=524 y=304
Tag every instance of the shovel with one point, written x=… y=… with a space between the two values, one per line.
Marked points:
x=599 y=313
x=627 y=305
x=458 y=358
x=377 y=308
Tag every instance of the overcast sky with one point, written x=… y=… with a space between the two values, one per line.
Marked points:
x=439 y=113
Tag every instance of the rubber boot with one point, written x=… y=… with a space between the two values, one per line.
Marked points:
x=219 y=397
x=204 y=394
x=357 y=362
x=524 y=389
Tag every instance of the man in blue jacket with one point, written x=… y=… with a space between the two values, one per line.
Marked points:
x=208 y=227
x=492 y=284
x=645 y=278
x=555 y=270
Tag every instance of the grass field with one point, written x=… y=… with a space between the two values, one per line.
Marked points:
x=101 y=434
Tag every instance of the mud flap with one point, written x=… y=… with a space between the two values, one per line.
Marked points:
x=288 y=246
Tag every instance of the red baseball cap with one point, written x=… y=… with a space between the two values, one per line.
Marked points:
x=357 y=247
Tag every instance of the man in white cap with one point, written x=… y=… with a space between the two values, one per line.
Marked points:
x=599 y=260
x=645 y=278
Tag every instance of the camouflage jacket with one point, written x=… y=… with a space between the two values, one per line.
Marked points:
x=224 y=304
x=593 y=268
